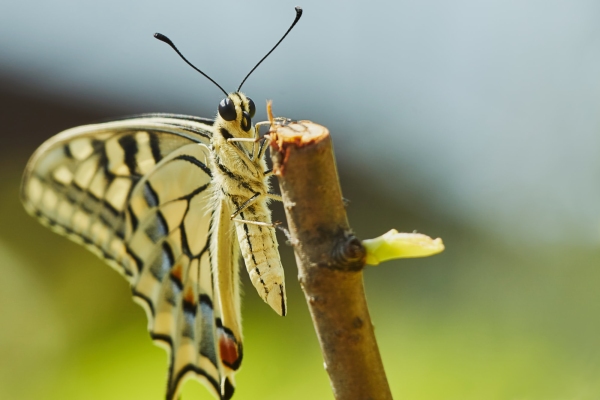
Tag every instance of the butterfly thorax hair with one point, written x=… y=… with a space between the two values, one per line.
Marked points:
x=238 y=166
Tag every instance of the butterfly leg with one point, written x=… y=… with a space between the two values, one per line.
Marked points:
x=274 y=196
x=259 y=124
x=242 y=154
x=257 y=149
x=254 y=139
x=245 y=205
x=257 y=130
x=262 y=148
x=243 y=139
x=251 y=200
x=258 y=138
x=267 y=224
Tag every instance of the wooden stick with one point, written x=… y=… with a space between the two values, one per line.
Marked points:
x=330 y=259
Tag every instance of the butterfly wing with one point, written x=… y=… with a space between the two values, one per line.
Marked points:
x=137 y=192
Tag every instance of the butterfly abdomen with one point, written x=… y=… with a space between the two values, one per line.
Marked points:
x=259 y=249
x=257 y=242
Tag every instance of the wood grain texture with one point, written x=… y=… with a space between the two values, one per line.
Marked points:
x=330 y=259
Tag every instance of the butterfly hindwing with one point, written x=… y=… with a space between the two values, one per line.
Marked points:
x=171 y=238
x=138 y=193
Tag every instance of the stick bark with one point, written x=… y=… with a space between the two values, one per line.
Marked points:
x=330 y=259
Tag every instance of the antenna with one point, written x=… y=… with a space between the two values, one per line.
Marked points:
x=168 y=41
x=298 y=15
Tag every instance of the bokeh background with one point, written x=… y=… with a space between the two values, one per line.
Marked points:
x=476 y=121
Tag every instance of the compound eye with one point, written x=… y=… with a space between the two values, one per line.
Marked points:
x=227 y=109
x=251 y=108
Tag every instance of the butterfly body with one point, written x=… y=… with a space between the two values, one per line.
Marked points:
x=249 y=186
x=170 y=202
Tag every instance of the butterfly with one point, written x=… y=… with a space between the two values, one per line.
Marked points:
x=170 y=201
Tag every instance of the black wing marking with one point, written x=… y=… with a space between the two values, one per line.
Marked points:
x=137 y=193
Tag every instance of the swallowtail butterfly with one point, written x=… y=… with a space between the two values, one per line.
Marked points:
x=169 y=201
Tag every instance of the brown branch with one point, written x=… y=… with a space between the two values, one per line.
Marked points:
x=330 y=259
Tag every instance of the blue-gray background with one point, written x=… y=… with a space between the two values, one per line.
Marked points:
x=472 y=120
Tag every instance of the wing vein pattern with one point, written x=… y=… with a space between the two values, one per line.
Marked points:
x=111 y=187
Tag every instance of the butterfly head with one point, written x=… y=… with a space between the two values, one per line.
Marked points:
x=236 y=112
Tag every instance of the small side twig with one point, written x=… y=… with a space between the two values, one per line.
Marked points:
x=330 y=259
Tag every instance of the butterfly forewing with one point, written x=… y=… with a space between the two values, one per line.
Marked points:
x=138 y=193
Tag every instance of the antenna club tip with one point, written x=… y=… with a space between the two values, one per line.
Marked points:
x=162 y=38
x=298 y=10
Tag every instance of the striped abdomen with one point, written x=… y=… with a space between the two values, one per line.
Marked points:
x=259 y=249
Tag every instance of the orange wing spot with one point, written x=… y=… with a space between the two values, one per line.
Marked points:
x=177 y=272
x=188 y=295
x=229 y=351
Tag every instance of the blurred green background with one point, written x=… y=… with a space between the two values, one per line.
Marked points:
x=475 y=121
